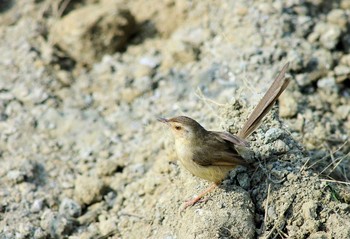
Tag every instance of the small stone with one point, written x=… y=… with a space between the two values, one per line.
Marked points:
x=303 y=79
x=88 y=189
x=291 y=177
x=280 y=146
x=88 y=33
x=337 y=17
x=318 y=235
x=327 y=83
x=56 y=225
x=106 y=167
x=15 y=176
x=309 y=210
x=151 y=62
x=107 y=226
x=345 y=4
x=342 y=70
x=330 y=38
x=271 y=212
x=273 y=134
x=70 y=208
x=324 y=59
x=138 y=168
x=243 y=180
x=40 y=234
x=345 y=60
x=142 y=71
x=343 y=111
x=194 y=36
x=288 y=105
x=37 y=205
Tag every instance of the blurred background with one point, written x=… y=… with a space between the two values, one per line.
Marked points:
x=83 y=81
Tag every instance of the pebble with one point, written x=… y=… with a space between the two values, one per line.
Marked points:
x=309 y=210
x=271 y=212
x=107 y=226
x=57 y=225
x=106 y=167
x=73 y=33
x=88 y=189
x=273 y=134
x=330 y=36
x=243 y=180
x=15 y=176
x=288 y=104
x=327 y=83
x=342 y=70
x=70 y=208
x=280 y=146
x=39 y=233
x=37 y=205
x=338 y=17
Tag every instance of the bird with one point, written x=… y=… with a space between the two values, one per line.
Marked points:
x=210 y=155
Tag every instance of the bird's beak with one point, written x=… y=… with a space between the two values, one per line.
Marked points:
x=163 y=120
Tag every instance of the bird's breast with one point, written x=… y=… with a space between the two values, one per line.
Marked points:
x=186 y=156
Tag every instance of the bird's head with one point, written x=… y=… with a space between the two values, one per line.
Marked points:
x=184 y=128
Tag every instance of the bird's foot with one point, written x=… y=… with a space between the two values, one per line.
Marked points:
x=191 y=202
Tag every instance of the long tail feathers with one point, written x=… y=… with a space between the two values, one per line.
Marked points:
x=265 y=104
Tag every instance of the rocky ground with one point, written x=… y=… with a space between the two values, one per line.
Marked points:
x=82 y=83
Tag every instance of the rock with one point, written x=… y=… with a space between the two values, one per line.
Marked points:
x=88 y=189
x=271 y=212
x=40 y=234
x=15 y=176
x=70 y=208
x=331 y=36
x=342 y=72
x=288 y=104
x=345 y=4
x=106 y=167
x=343 y=111
x=327 y=83
x=150 y=61
x=338 y=17
x=243 y=180
x=324 y=59
x=318 y=235
x=92 y=31
x=309 y=210
x=304 y=25
x=338 y=227
x=107 y=226
x=193 y=36
x=328 y=34
x=273 y=134
x=345 y=60
x=56 y=225
x=280 y=147
x=303 y=79
x=229 y=210
x=37 y=205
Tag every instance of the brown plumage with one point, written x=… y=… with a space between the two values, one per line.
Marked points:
x=210 y=154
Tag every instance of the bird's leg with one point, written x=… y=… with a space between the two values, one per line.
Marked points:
x=191 y=202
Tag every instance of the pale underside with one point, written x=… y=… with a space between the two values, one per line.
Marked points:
x=213 y=157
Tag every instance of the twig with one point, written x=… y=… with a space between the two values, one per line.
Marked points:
x=267 y=206
x=334 y=181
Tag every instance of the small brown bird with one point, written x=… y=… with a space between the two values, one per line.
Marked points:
x=210 y=154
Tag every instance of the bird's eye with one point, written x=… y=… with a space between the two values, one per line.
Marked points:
x=178 y=127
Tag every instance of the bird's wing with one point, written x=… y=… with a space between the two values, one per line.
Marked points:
x=219 y=150
x=230 y=138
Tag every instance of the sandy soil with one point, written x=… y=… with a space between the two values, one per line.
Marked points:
x=82 y=83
